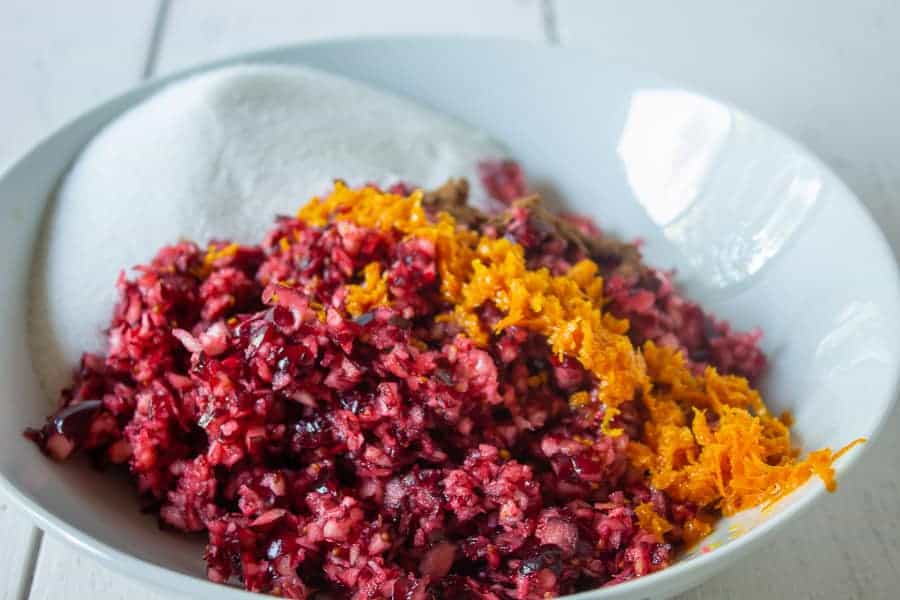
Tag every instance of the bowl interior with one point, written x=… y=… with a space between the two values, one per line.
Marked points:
x=760 y=232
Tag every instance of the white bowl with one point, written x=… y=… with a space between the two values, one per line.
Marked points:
x=761 y=231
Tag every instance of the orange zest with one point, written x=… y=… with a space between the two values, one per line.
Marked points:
x=651 y=521
x=476 y=269
x=371 y=293
x=709 y=438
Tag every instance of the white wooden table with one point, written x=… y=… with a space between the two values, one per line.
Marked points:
x=828 y=73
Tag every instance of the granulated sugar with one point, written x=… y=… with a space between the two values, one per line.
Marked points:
x=219 y=155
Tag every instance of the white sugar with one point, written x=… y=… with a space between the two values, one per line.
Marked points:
x=218 y=156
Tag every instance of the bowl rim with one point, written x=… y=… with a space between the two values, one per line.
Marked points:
x=703 y=565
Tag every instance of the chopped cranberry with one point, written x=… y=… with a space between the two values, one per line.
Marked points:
x=384 y=454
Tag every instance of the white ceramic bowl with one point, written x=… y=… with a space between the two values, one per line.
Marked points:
x=761 y=231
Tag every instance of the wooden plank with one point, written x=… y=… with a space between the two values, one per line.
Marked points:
x=200 y=30
x=59 y=58
x=820 y=72
x=52 y=68
x=61 y=570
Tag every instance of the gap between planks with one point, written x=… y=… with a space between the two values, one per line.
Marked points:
x=159 y=26
x=549 y=22
x=35 y=539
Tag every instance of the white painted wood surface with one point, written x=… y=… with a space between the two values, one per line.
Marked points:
x=827 y=73
x=199 y=30
x=63 y=573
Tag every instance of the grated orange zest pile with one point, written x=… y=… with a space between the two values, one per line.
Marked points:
x=745 y=460
x=565 y=309
x=475 y=269
x=708 y=439
x=370 y=208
